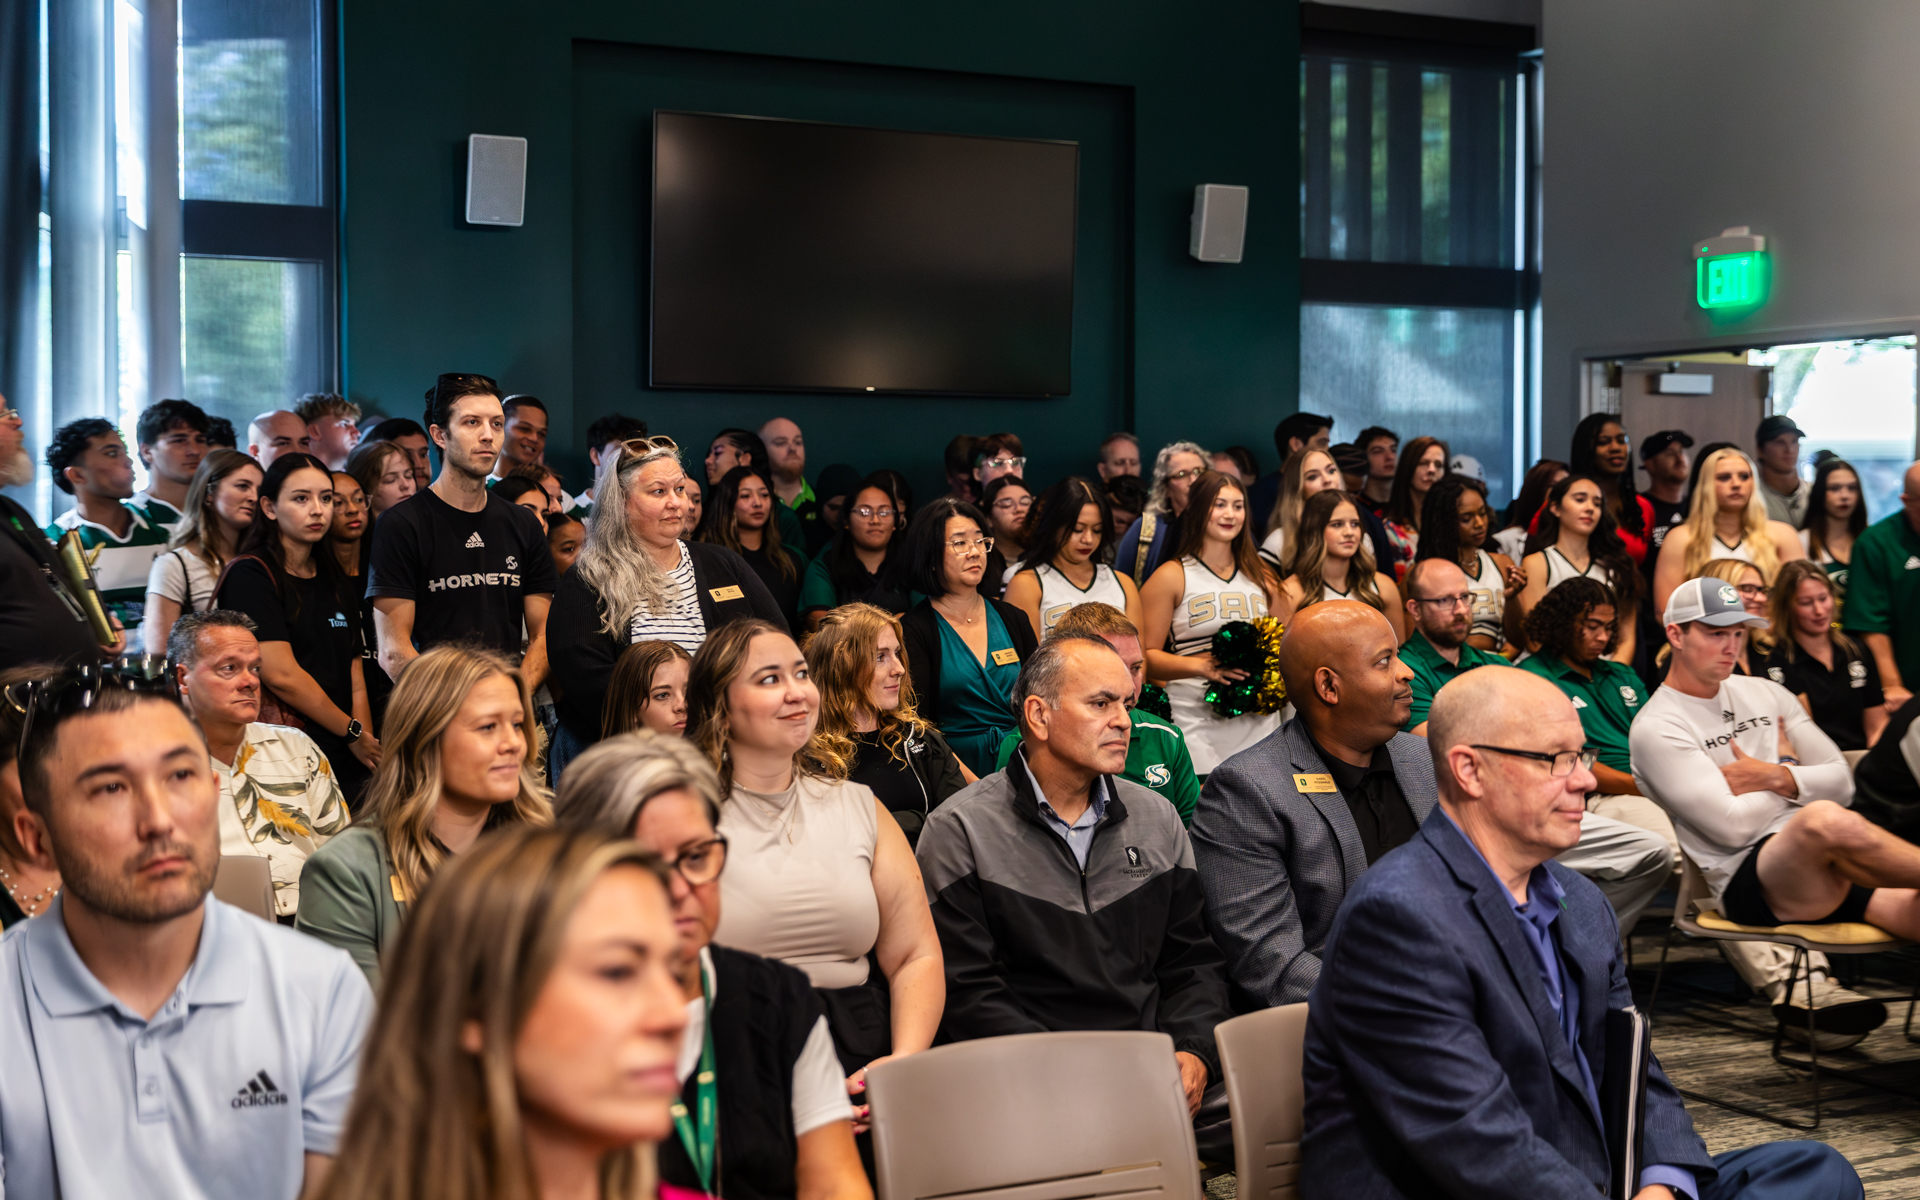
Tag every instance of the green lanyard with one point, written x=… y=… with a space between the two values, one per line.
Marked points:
x=699 y=1145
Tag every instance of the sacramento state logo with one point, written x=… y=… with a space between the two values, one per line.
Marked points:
x=1158 y=776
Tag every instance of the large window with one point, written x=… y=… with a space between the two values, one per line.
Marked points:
x=1415 y=203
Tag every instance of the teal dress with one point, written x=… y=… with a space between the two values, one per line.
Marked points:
x=976 y=701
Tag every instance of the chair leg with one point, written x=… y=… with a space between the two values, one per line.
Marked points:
x=1659 y=973
x=1800 y=956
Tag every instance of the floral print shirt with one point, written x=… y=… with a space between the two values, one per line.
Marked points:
x=279 y=801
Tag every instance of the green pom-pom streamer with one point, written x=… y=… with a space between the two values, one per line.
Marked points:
x=1253 y=647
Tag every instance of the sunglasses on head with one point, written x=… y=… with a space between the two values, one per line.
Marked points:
x=77 y=689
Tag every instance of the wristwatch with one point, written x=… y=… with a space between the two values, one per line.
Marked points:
x=354 y=730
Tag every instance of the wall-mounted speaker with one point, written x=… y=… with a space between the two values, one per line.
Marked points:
x=1219 y=223
x=496 y=180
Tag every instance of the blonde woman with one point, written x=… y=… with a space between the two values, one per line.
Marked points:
x=221 y=504
x=1836 y=679
x=1308 y=473
x=1726 y=519
x=768 y=1027
x=525 y=1042
x=637 y=581
x=822 y=876
x=1332 y=562
x=1745 y=579
x=867 y=713
x=455 y=763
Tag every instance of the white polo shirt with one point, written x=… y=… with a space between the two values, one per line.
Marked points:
x=246 y=1068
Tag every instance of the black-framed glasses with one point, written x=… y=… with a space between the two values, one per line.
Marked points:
x=76 y=689
x=1559 y=763
x=1754 y=591
x=1463 y=600
x=702 y=862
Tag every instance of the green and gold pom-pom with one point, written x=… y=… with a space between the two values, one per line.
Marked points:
x=1253 y=647
x=1154 y=701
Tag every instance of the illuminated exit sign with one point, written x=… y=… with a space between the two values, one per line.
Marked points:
x=1731 y=271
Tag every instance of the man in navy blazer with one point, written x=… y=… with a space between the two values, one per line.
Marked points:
x=1457 y=1036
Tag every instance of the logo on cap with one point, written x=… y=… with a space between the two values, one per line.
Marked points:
x=1728 y=595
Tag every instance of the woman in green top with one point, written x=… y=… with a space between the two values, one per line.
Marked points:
x=456 y=763
x=963 y=650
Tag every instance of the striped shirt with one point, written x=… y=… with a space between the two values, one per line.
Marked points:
x=124 y=564
x=679 y=621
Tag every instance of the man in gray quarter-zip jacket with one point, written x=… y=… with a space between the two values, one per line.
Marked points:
x=1066 y=897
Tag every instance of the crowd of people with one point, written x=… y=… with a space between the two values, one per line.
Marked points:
x=657 y=813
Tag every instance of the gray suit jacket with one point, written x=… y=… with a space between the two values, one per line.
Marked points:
x=1277 y=862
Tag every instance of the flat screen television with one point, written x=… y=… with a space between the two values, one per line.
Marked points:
x=798 y=256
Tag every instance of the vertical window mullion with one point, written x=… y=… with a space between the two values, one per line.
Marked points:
x=1403 y=162
x=1316 y=115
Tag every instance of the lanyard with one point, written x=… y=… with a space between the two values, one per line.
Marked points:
x=699 y=1144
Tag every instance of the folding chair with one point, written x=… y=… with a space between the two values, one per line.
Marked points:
x=246 y=882
x=1261 y=1055
x=1693 y=917
x=1038 y=1116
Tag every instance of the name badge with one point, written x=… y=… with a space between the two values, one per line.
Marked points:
x=1314 y=783
x=399 y=890
x=1003 y=657
x=726 y=593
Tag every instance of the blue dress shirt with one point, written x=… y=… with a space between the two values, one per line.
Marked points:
x=1079 y=835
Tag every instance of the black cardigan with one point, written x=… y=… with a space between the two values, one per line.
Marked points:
x=922 y=629
x=581 y=654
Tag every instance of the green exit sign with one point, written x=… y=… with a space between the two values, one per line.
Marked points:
x=1731 y=280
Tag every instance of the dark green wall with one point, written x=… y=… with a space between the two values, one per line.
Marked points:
x=1168 y=95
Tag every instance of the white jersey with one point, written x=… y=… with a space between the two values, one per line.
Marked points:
x=1207 y=605
x=1680 y=742
x=1058 y=593
x=1739 y=550
x=1489 y=590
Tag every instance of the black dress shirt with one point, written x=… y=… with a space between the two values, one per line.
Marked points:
x=1373 y=796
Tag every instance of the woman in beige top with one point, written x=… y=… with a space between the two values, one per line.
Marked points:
x=821 y=874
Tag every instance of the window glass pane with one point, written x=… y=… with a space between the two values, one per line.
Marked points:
x=1443 y=372
x=249 y=101
x=1855 y=399
x=250 y=334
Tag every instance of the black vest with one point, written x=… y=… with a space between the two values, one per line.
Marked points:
x=761 y=1021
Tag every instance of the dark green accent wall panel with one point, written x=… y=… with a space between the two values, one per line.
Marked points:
x=1161 y=96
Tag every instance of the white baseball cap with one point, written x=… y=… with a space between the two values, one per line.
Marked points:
x=1710 y=601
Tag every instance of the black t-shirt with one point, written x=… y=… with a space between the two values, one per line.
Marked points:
x=467 y=573
x=786 y=592
x=1838 y=698
x=1885 y=791
x=1380 y=809
x=320 y=623
x=36 y=626
x=1665 y=517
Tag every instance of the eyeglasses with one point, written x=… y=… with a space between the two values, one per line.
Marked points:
x=869 y=512
x=12 y=414
x=1559 y=764
x=1004 y=464
x=646 y=445
x=1189 y=473
x=1754 y=591
x=77 y=688
x=702 y=862
x=1463 y=600
x=1011 y=504
x=964 y=546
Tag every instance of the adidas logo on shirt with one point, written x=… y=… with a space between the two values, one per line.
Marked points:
x=1579 y=703
x=474 y=542
x=1913 y=562
x=259 y=1092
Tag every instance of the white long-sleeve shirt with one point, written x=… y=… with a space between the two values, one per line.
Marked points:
x=1680 y=742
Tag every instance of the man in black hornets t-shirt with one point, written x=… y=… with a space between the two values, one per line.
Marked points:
x=456 y=563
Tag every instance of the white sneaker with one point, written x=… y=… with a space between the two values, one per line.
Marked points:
x=1841 y=1017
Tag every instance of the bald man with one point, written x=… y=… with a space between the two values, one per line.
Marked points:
x=787 y=458
x=1458 y=1034
x=272 y=434
x=1285 y=828
x=1883 y=593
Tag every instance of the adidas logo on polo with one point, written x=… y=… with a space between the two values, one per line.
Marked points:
x=1913 y=562
x=1579 y=703
x=474 y=542
x=259 y=1093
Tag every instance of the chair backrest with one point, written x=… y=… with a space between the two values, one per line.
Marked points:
x=1694 y=892
x=246 y=882
x=1853 y=758
x=1038 y=1116
x=1262 y=1055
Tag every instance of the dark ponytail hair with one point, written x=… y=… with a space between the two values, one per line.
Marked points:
x=1440 y=517
x=1603 y=544
x=1584 y=460
x=263 y=536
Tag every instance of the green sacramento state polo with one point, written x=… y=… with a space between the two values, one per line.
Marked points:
x=1883 y=590
x=1432 y=672
x=1157 y=758
x=1607 y=703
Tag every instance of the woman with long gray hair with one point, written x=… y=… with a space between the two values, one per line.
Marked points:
x=1146 y=544
x=637 y=581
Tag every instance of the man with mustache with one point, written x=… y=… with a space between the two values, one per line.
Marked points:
x=184 y=1047
x=40 y=622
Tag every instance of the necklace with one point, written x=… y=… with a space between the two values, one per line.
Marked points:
x=966 y=620
x=28 y=904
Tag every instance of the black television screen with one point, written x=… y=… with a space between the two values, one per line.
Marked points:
x=791 y=255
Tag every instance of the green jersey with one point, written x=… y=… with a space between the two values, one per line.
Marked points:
x=1157 y=758
x=1883 y=590
x=1432 y=672
x=1607 y=700
x=124 y=563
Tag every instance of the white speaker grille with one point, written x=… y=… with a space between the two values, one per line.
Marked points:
x=496 y=180
x=1219 y=223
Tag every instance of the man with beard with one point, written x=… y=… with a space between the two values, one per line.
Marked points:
x=184 y=1047
x=40 y=622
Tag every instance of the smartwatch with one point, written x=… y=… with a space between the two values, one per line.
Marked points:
x=354 y=730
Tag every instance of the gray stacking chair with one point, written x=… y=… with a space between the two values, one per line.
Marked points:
x=1261 y=1055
